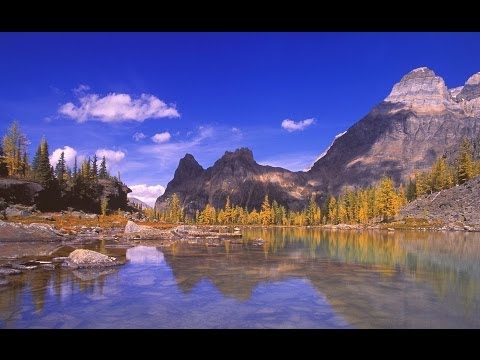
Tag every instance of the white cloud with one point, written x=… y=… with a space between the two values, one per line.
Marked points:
x=161 y=137
x=112 y=157
x=235 y=130
x=291 y=125
x=139 y=136
x=145 y=193
x=116 y=107
x=69 y=154
x=81 y=89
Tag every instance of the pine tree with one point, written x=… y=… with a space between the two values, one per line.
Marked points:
x=174 y=211
x=465 y=162
x=423 y=183
x=439 y=175
x=313 y=212
x=61 y=169
x=228 y=212
x=266 y=212
x=332 y=210
x=14 y=147
x=363 y=207
x=75 y=168
x=94 y=168
x=42 y=171
x=103 y=174
x=411 y=191
x=3 y=164
x=387 y=199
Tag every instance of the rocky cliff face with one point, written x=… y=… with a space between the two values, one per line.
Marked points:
x=23 y=192
x=406 y=132
x=237 y=175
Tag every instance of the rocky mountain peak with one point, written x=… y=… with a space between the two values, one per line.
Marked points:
x=422 y=90
x=471 y=90
x=188 y=167
x=239 y=157
x=474 y=79
x=244 y=153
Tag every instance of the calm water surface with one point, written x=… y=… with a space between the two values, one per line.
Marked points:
x=299 y=278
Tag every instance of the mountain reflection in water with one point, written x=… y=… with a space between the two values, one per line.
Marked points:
x=298 y=278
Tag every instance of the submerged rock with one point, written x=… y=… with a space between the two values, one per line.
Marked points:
x=82 y=258
x=7 y=271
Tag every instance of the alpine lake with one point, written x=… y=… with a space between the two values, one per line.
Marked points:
x=295 y=278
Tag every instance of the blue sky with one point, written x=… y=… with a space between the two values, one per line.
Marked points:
x=146 y=99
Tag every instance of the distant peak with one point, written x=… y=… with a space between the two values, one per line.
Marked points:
x=188 y=157
x=420 y=72
x=240 y=152
x=420 y=89
x=471 y=90
x=474 y=79
x=421 y=69
x=188 y=161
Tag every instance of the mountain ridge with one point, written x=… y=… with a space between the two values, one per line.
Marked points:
x=404 y=133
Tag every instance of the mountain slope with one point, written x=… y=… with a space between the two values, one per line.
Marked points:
x=404 y=133
x=457 y=206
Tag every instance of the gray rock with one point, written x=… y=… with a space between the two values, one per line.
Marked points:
x=82 y=258
x=9 y=271
x=18 y=210
x=135 y=231
x=28 y=233
x=460 y=214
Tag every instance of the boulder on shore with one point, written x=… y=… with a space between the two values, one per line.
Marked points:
x=13 y=232
x=82 y=258
x=134 y=231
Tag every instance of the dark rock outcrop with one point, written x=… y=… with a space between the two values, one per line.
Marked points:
x=19 y=191
x=237 y=175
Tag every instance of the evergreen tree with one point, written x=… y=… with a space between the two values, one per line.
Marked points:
x=3 y=164
x=94 y=168
x=465 y=162
x=103 y=174
x=75 y=168
x=363 y=207
x=61 y=169
x=14 y=148
x=313 y=212
x=174 y=211
x=332 y=210
x=228 y=212
x=411 y=192
x=42 y=171
x=439 y=175
x=387 y=199
x=266 y=212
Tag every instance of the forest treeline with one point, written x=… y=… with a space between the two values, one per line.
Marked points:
x=77 y=187
x=380 y=202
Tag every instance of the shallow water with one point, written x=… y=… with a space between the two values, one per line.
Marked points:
x=299 y=278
